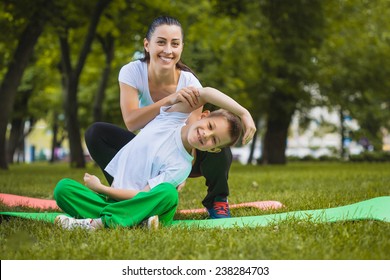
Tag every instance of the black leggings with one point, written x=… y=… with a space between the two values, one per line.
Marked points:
x=104 y=140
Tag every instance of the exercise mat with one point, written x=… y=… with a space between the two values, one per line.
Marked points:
x=373 y=209
x=44 y=216
x=13 y=200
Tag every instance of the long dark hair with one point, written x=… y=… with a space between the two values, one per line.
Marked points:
x=165 y=20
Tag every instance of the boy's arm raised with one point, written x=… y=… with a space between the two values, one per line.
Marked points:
x=217 y=98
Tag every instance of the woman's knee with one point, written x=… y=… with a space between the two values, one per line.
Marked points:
x=93 y=132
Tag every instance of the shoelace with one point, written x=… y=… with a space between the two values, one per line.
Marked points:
x=221 y=208
x=84 y=223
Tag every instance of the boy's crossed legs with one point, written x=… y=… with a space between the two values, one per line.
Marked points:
x=96 y=211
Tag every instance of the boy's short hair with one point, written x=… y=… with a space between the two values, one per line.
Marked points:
x=235 y=125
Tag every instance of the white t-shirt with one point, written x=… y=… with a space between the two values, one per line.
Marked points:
x=135 y=74
x=154 y=156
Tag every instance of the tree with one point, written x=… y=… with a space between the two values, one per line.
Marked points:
x=36 y=17
x=71 y=78
x=296 y=30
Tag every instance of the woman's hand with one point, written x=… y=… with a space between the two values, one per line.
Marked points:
x=93 y=182
x=249 y=128
x=189 y=95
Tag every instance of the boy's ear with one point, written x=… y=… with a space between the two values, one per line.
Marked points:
x=214 y=150
x=205 y=114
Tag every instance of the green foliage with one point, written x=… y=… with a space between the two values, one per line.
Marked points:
x=283 y=55
x=227 y=55
x=14 y=15
x=296 y=31
x=298 y=186
x=353 y=63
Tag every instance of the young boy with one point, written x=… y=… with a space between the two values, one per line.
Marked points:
x=145 y=176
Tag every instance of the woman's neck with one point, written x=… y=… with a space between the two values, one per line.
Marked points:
x=163 y=77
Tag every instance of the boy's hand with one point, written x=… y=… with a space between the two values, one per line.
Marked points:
x=249 y=128
x=188 y=95
x=92 y=182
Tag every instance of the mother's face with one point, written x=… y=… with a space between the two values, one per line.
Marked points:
x=165 y=45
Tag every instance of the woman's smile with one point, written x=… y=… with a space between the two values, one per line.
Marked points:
x=166 y=59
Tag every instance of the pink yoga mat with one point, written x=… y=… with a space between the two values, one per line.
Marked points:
x=262 y=205
x=18 y=200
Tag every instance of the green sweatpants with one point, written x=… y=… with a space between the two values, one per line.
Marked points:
x=79 y=201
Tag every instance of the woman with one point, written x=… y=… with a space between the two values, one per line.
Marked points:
x=161 y=79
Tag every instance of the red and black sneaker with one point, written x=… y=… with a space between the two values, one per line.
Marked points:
x=220 y=208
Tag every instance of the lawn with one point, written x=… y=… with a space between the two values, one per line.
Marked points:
x=299 y=186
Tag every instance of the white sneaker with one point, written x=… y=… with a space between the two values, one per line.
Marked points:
x=71 y=223
x=152 y=223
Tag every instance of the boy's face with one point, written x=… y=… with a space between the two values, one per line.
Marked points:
x=209 y=133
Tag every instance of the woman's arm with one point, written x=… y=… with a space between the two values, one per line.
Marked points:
x=136 y=118
x=93 y=183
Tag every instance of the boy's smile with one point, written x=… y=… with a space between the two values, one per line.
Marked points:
x=206 y=134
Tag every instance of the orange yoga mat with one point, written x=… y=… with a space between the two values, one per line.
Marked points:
x=18 y=200
x=262 y=205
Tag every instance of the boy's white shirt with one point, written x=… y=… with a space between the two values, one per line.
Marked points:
x=156 y=155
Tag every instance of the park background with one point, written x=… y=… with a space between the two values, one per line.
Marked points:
x=314 y=75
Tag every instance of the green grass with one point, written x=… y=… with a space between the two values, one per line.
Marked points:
x=298 y=186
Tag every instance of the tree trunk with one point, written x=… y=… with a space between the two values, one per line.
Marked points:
x=343 y=154
x=108 y=48
x=279 y=117
x=16 y=141
x=14 y=75
x=15 y=138
x=73 y=127
x=17 y=134
x=54 y=141
x=275 y=142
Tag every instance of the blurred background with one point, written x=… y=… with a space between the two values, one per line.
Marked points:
x=314 y=74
